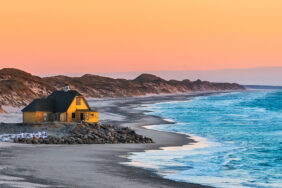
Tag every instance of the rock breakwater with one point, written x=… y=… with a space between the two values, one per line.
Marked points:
x=88 y=133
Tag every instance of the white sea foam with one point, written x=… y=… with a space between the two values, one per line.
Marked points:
x=223 y=182
x=137 y=164
x=208 y=180
x=177 y=153
x=11 y=137
x=200 y=142
x=169 y=120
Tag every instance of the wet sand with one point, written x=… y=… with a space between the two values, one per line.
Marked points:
x=96 y=166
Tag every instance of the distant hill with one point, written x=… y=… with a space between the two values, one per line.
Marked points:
x=98 y=86
x=17 y=88
x=247 y=76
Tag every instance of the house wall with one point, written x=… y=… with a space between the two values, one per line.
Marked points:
x=35 y=117
x=89 y=116
x=93 y=117
x=63 y=117
x=74 y=107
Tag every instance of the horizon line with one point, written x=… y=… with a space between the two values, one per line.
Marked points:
x=148 y=71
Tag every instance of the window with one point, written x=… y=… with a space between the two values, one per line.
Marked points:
x=78 y=101
x=45 y=116
x=73 y=115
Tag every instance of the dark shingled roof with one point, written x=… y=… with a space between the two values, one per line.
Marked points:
x=46 y=105
x=63 y=99
x=58 y=101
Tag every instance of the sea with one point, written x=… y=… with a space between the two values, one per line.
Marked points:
x=238 y=140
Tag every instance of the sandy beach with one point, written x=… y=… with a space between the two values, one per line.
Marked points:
x=96 y=166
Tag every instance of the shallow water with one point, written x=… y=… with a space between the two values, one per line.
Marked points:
x=239 y=140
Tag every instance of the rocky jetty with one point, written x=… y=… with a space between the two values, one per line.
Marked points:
x=88 y=133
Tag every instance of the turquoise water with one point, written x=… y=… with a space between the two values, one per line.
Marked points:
x=240 y=142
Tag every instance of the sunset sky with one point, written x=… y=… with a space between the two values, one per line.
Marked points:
x=70 y=36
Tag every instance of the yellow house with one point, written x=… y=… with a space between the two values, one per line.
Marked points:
x=60 y=106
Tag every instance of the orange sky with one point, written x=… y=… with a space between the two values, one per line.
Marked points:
x=70 y=36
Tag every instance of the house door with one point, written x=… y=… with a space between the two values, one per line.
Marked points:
x=81 y=116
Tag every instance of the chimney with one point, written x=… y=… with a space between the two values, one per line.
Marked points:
x=67 y=88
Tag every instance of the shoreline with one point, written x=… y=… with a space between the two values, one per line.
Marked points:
x=103 y=161
x=197 y=142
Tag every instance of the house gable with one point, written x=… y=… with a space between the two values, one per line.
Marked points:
x=78 y=103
